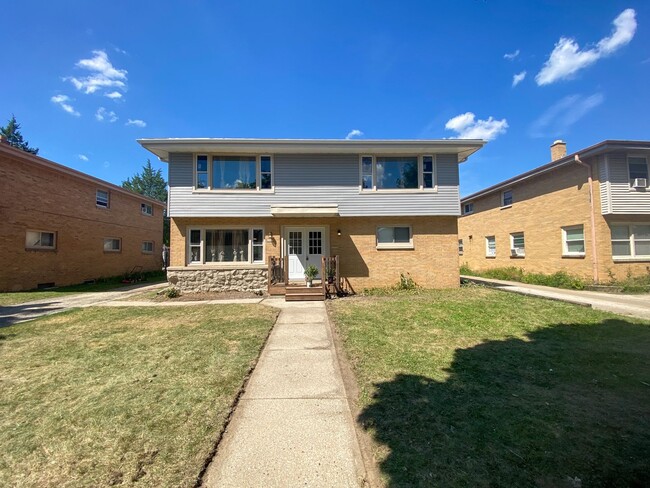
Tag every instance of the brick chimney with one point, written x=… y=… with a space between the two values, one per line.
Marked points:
x=558 y=150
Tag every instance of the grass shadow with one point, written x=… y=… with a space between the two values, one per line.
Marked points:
x=568 y=405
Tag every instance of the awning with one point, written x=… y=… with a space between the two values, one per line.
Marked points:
x=305 y=210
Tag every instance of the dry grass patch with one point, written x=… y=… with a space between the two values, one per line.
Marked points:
x=119 y=396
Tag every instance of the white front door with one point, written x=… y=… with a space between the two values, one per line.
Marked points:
x=304 y=246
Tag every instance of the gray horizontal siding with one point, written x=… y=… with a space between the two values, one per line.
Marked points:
x=313 y=179
x=623 y=199
x=603 y=177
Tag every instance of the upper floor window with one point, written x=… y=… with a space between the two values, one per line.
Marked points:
x=40 y=239
x=101 y=198
x=397 y=172
x=234 y=173
x=631 y=241
x=506 y=198
x=573 y=241
x=112 y=244
x=146 y=209
x=468 y=208
x=638 y=169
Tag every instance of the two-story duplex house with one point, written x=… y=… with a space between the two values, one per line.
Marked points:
x=62 y=227
x=587 y=213
x=385 y=207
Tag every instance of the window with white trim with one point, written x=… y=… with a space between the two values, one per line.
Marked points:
x=490 y=246
x=112 y=244
x=638 y=169
x=236 y=173
x=394 y=238
x=226 y=245
x=461 y=247
x=397 y=173
x=40 y=239
x=573 y=240
x=147 y=247
x=630 y=241
x=102 y=198
x=506 y=198
x=146 y=209
x=517 y=245
x=468 y=208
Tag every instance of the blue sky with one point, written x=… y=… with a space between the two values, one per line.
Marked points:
x=86 y=79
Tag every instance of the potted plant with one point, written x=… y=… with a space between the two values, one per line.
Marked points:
x=310 y=273
x=330 y=272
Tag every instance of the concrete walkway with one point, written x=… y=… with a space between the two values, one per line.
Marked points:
x=293 y=425
x=632 y=305
x=13 y=314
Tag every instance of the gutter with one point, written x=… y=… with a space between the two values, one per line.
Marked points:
x=594 y=245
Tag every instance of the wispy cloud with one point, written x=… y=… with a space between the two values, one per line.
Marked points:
x=467 y=127
x=115 y=95
x=518 y=78
x=136 y=122
x=103 y=74
x=353 y=133
x=83 y=157
x=62 y=101
x=103 y=114
x=511 y=56
x=567 y=58
x=559 y=117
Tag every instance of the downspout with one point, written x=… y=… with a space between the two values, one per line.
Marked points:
x=594 y=245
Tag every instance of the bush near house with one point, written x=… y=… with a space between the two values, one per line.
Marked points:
x=560 y=279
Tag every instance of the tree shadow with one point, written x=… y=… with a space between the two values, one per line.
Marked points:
x=568 y=405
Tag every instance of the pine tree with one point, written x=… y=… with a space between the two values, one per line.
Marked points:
x=150 y=183
x=12 y=133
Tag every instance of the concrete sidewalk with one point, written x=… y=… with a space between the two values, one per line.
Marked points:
x=632 y=305
x=293 y=425
x=13 y=314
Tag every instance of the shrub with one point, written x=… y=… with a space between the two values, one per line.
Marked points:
x=171 y=292
x=560 y=279
x=406 y=282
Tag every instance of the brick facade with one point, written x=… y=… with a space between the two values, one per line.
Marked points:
x=543 y=204
x=37 y=194
x=428 y=263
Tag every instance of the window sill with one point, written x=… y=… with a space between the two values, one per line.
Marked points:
x=414 y=191
x=388 y=247
x=103 y=207
x=40 y=249
x=517 y=257
x=503 y=207
x=631 y=259
x=573 y=256
x=246 y=191
x=490 y=257
x=112 y=252
x=222 y=265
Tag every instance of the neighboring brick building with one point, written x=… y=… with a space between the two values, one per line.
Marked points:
x=384 y=207
x=541 y=220
x=59 y=226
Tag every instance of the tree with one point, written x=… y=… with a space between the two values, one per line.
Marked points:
x=150 y=183
x=12 y=133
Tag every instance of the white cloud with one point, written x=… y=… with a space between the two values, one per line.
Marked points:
x=511 y=56
x=518 y=78
x=566 y=58
x=353 y=133
x=468 y=127
x=103 y=74
x=106 y=164
x=83 y=157
x=103 y=114
x=559 y=117
x=113 y=95
x=136 y=122
x=62 y=101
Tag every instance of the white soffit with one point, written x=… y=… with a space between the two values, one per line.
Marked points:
x=305 y=211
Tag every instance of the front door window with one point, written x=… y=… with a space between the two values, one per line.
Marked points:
x=304 y=247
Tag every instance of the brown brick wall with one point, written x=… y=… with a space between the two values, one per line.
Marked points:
x=39 y=197
x=542 y=206
x=432 y=263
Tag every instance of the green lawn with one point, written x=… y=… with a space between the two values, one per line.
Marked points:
x=18 y=297
x=477 y=387
x=122 y=396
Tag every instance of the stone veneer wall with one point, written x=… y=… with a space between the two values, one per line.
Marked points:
x=206 y=280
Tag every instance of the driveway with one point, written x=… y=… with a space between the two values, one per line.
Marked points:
x=632 y=305
x=13 y=314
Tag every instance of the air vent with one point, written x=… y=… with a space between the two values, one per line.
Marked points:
x=640 y=183
x=517 y=252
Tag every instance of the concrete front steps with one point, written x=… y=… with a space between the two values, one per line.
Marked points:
x=295 y=293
